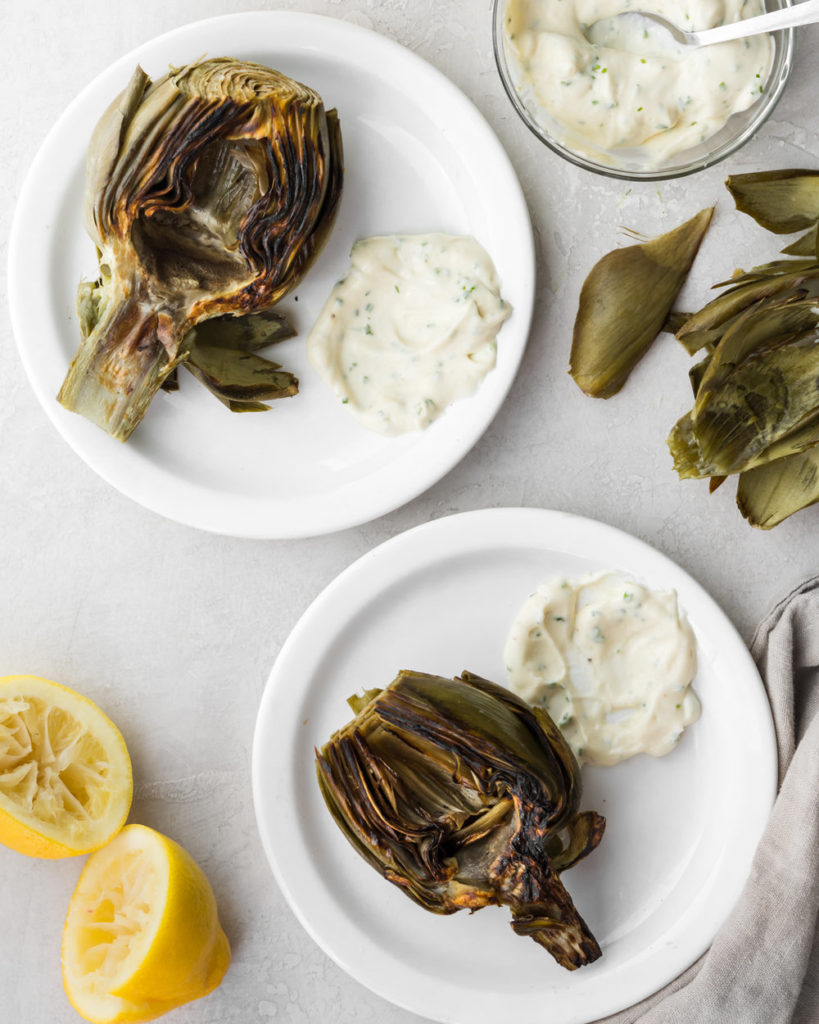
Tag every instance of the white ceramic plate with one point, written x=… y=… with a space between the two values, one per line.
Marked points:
x=681 y=830
x=418 y=157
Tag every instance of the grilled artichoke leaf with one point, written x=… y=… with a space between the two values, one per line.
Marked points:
x=243 y=333
x=781 y=201
x=624 y=303
x=209 y=192
x=455 y=791
x=240 y=376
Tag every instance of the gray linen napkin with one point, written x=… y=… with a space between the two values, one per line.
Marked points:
x=763 y=967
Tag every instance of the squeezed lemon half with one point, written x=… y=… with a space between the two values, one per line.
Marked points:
x=65 y=773
x=142 y=935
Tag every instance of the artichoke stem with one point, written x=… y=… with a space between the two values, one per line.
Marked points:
x=552 y=920
x=120 y=366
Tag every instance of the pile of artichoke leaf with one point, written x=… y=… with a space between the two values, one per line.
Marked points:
x=208 y=195
x=756 y=387
x=756 y=382
x=464 y=796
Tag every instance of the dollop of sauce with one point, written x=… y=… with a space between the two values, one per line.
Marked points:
x=410 y=329
x=612 y=663
x=635 y=93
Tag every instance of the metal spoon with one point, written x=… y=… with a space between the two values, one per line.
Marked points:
x=804 y=13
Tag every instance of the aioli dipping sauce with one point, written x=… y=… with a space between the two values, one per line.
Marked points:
x=410 y=329
x=637 y=94
x=612 y=663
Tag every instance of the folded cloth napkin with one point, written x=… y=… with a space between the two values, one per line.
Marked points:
x=763 y=966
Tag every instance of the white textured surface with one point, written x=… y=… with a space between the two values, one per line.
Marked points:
x=173 y=631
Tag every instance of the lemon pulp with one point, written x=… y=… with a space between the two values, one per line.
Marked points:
x=142 y=935
x=65 y=773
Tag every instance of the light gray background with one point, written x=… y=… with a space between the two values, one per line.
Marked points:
x=174 y=631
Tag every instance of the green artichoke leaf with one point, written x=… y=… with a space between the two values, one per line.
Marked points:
x=237 y=406
x=761 y=385
x=775 y=491
x=675 y=321
x=240 y=376
x=709 y=324
x=208 y=193
x=690 y=463
x=772 y=269
x=807 y=245
x=685 y=450
x=697 y=371
x=756 y=331
x=455 y=791
x=624 y=303
x=781 y=201
x=245 y=333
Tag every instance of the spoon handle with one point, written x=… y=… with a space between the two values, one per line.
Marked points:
x=804 y=13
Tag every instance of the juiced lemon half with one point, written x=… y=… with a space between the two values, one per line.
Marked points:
x=65 y=773
x=142 y=935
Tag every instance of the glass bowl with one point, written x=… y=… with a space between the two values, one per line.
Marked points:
x=735 y=133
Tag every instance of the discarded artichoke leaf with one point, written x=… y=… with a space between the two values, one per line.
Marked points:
x=684 y=449
x=690 y=463
x=208 y=192
x=771 y=493
x=247 y=333
x=807 y=245
x=675 y=321
x=714 y=482
x=781 y=201
x=761 y=331
x=706 y=338
x=455 y=791
x=698 y=329
x=802 y=437
x=754 y=397
x=772 y=269
x=697 y=372
x=624 y=303
x=761 y=384
x=240 y=376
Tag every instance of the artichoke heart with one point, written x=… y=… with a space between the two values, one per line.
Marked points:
x=208 y=193
x=464 y=796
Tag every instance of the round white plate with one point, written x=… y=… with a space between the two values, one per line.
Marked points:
x=418 y=157
x=681 y=830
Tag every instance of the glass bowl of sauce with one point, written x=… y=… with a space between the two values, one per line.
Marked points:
x=634 y=104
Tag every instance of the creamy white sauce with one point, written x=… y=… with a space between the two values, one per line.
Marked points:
x=610 y=660
x=638 y=94
x=410 y=329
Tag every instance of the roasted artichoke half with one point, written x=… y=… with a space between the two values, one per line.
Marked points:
x=464 y=796
x=208 y=192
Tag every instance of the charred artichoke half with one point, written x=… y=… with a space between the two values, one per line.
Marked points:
x=208 y=192
x=464 y=796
